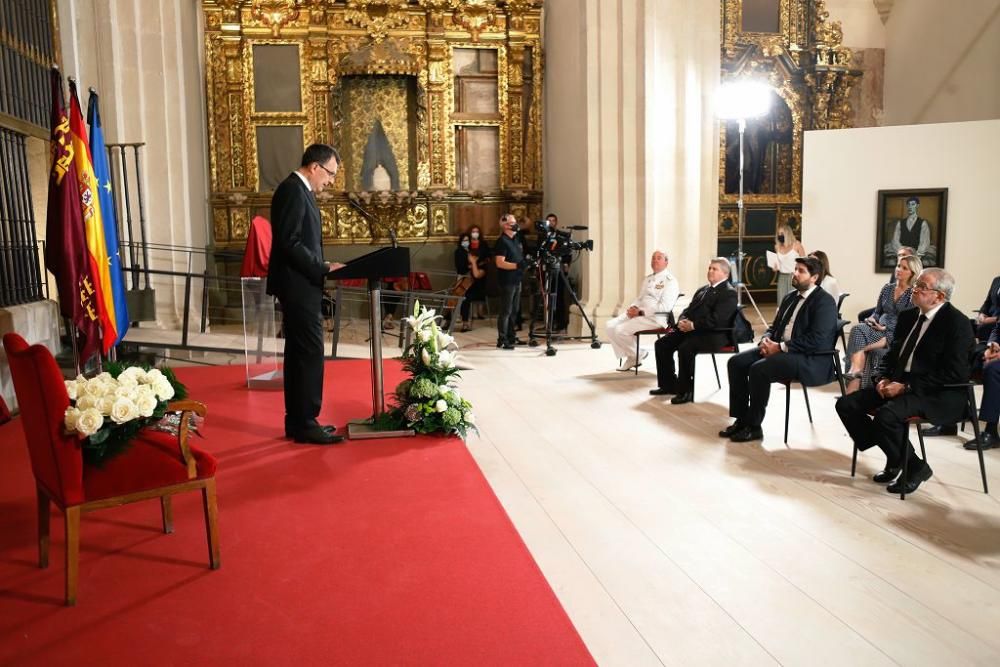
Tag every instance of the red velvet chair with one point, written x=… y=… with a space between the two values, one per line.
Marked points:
x=157 y=465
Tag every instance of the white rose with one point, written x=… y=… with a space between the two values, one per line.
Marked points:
x=164 y=390
x=124 y=390
x=146 y=404
x=441 y=405
x=94 y=388
x=127 y=381
x=70 y=418
x=86 y=402
x=444 y=389
x=106 y=403
x=469 y=419
x=89 y=422
x=123 y=410
x=103 y=377
x=154 y=375
x=71 y=389
x=143 y=390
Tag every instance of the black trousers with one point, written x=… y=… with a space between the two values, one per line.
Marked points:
x=303 y=367
x=510 y=302
x=989 y=411
x=686 y=345
x=750 y=377
x=887 y=428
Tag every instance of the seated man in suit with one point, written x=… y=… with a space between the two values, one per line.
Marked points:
x=657 y=296
x=988 y=312
x=806 y=322
x=712 y=307
x=931 y=348
x=989 y=409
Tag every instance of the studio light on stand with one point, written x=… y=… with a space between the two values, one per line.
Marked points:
x=739 y=100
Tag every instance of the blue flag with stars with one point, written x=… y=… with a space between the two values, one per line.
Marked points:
x=102 y=173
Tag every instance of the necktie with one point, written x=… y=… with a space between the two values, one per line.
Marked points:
x=785 y=317
x=911 y=342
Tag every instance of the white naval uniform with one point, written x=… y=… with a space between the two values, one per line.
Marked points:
x=658 y=294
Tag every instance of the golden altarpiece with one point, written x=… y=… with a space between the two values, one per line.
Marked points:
x=435 y=106
x=793 y=47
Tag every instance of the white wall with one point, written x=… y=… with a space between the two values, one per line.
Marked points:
x=843 y=171
x=941 y=61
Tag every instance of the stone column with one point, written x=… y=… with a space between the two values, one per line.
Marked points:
x=145 y=61
x=631 y=146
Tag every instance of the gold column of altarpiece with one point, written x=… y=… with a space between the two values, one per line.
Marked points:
x=347 y=46
x=791 y=46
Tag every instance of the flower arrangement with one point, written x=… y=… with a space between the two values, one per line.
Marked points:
x=429 y=401
x=108 y=410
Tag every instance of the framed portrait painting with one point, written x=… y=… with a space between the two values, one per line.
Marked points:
x=914 y=218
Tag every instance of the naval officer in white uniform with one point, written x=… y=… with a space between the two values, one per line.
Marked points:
x=657 y=295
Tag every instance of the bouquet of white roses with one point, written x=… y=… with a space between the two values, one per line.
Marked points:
x=429 y=401
x=108 y=410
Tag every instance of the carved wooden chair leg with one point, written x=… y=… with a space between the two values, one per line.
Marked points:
x=44 y=507
x=211 y=522
x=72 y=553
x=167 y=511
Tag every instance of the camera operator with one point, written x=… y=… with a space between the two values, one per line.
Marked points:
x=510 y=262
x=561 y=319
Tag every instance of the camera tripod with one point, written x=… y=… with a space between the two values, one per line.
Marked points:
x=551 y=276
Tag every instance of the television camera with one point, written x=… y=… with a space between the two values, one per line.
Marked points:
x=555 y=244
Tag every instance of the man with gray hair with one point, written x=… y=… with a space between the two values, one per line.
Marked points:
x=931 y=349
x=657 y=296
x=712 y=307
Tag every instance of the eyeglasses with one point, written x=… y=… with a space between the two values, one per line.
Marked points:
x=919 y=285
x=333 y=174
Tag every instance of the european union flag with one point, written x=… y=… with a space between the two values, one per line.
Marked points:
x=102 y=173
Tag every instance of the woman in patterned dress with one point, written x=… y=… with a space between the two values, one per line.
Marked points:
x=876 y=332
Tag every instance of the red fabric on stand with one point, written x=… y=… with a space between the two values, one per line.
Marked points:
x=258 y=251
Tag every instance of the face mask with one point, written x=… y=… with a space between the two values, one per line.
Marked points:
x=781 y=238
x=465 y=244
x=474 y=235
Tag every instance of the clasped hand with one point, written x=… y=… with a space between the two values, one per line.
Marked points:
x=992 y=353
x=768 y=347
x=685 y=325
x=888 y=389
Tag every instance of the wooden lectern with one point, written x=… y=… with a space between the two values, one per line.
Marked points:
x=373 y=267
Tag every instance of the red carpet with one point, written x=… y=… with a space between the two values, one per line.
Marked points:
x=368 y=553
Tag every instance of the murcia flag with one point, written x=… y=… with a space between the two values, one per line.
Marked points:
x=66 y=252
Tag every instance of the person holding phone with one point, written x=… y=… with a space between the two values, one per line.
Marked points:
x=876 y=332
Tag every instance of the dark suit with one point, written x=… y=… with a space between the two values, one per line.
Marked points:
x=941 y=357
x=989 y=408
x=751 y=373
x=710 y=308
x=990 y=308
x=295 y=277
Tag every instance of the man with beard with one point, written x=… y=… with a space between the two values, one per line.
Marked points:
x=806 y=322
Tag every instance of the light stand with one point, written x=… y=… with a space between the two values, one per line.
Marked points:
x=739 y=101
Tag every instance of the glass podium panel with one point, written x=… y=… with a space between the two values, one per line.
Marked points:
x=260 y=335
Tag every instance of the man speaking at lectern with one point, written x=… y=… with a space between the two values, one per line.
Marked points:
x=295 y=276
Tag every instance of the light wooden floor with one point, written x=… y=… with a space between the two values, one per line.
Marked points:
x=668 y=545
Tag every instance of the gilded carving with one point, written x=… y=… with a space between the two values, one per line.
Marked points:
x=377 y=17
x=220 y=217
x=476 y=16
x=342 y=41
x=382 y=99
x=439 y=220
x=240 y=221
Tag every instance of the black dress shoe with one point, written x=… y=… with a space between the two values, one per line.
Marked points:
x=329 y=429
x=680 y=399
x=747 y=434
x=934 y=431
x=508 y=346
x=732 y=428
x=317 y=435
x=986 y=441
x=661 y=391
x=887 y=476
x=913 y=481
